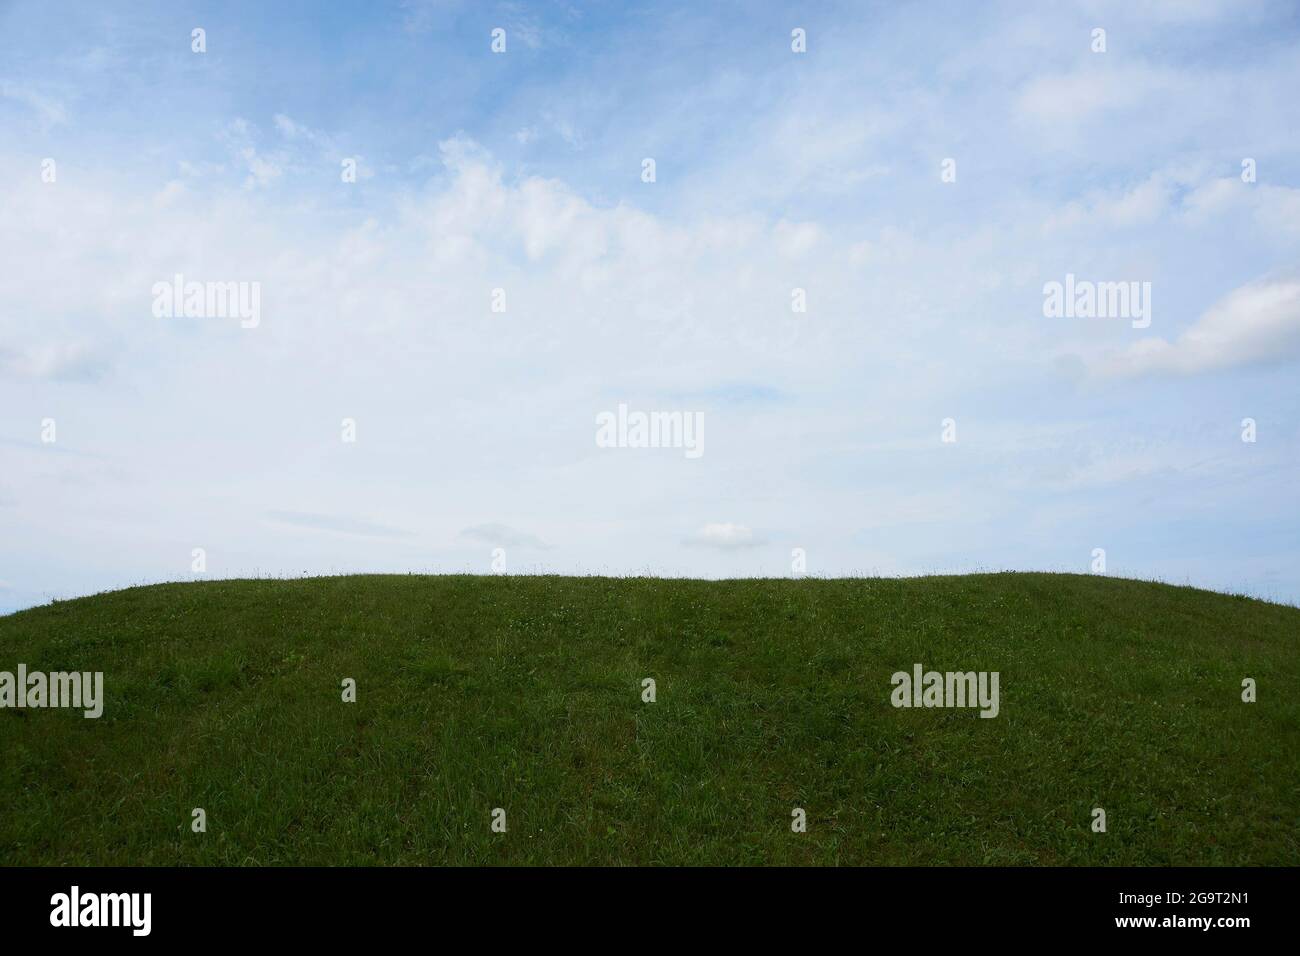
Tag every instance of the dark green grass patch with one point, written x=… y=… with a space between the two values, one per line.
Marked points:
x=525 y=693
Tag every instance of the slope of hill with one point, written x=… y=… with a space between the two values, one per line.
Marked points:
x=526 y=694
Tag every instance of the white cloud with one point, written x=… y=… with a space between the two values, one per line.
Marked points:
x=337 y=524
x=1275 y=207
x=1168 y=11
x=1254 y=324
x=1144 y=203
x=263 y=168
x=1068 y=97
x=725 y=536
x=74 y=361
x=421 y=16
x=292 y=130
x=1215 y=196
x=49 y=110
x=565 y=129
x=500 y=535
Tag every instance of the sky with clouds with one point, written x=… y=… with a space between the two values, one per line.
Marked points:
x=774 y=171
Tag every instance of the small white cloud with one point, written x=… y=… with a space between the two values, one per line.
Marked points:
x=1070 y=98
x=500 y=535
x=796 y=239
x=289 y=128
x=292 y=130
x=263 y=169
x=724 y=536
x=336 y=524
x=565 y=130
x=50 y=110
x=1142 y=204
x=59 y=362
x=1213 y=197
x=421 y=16
x=1254 y=324
x=169 y=194
x=1276 y=208
x=1168 y=11
x=522 y=25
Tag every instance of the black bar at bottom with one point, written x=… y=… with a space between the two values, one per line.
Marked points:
x=335 y=905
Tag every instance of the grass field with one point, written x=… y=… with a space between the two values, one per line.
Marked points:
x=524 y=693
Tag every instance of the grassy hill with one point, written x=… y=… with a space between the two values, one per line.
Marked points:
x=525 y=693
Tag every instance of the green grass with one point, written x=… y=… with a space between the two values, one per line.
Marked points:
x=525 y=693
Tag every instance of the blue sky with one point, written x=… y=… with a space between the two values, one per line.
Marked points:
x=521 y=171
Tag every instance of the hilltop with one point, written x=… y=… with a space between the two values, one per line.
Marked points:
x=526 y=694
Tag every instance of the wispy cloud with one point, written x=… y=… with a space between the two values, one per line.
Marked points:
x=59 y=362
x=49 y=110
x=500 y=535
x=336 y=524
x=725 y=536
x=1258 y=323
